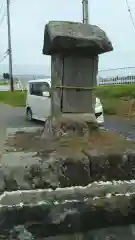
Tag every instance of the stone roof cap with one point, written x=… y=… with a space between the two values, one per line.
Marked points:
x=74 y=38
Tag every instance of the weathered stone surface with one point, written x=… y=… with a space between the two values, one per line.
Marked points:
x=67 y=210
x=112 y=233
x=33 y=171
x=59 y=163
x=64 y=161
x=75 y=38
x=113 y=166
x=20 y=232
x=70 y=125
x=73 y=72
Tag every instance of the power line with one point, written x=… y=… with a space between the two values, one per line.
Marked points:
x=5 y=55
x=130 y=13
x=3 y=15
x=1 y=7
x=2 y=19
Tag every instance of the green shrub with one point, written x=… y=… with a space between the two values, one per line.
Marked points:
x=115 y=91
x=110 y=96
x=110 y=106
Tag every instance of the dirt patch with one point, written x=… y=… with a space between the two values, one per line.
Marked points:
x=25 y=141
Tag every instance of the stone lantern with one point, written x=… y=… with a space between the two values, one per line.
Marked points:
x=74 y=49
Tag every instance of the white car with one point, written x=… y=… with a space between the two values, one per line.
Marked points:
x=38 y=102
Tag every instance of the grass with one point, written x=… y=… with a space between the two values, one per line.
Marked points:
x=4 y=83
x=115 y=91
x=110 y=97
x=16 y=99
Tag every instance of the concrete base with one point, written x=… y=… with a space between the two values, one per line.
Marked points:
x=61 y=166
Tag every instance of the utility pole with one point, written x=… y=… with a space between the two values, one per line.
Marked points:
x=85 y=11
x=86 y=21
x=10 y=48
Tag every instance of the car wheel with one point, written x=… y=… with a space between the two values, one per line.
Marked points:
x=29 y=114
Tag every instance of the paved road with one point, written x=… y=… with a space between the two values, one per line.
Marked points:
x=12 y=117
x=15 y=117
x=122 y=126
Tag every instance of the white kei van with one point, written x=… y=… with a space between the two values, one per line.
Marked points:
x=38 y=101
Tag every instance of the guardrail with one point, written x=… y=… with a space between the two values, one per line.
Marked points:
x=18 y=86
x=117 y=76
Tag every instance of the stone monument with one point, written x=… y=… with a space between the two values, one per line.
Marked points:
x=68 y=186
x=74 y=49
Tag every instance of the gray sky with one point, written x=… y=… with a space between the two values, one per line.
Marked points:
x=28 y=18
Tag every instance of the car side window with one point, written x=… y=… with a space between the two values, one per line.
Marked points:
x=35 y=89
x=38 y=88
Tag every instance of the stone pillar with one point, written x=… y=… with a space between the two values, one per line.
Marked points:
x=74 y=49
x=66 y=72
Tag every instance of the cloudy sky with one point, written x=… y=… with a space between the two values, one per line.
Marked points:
x=28 y=18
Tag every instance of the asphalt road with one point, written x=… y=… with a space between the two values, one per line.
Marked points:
x=15 y=117
x=11 y=117
x=123 y=126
